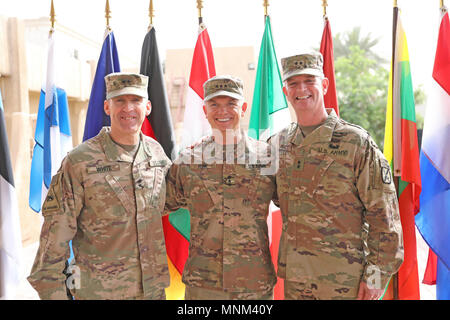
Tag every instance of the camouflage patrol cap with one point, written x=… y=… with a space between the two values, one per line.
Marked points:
x=308 y=63
x=223 y=86
x=121 y=83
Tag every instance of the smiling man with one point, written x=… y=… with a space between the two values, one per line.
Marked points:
x=107 y=198
x=221 y=181
x=342 y=236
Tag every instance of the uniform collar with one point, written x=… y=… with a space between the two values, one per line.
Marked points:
x=323 y=133
x=114 y=152
x=243 y=144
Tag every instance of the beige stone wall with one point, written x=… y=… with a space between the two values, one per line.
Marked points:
x=23 y=61
x=14 y=86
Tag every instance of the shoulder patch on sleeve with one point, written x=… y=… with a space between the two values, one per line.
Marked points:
x=52 y=201
x=386 y=174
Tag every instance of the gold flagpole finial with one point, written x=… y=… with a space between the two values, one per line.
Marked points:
x=324 y=5
x=52 y=16
x=151 y=13
x=107 y=14
x=395 y=4
x=199 y=7
x=442 y=4
x=266 y=5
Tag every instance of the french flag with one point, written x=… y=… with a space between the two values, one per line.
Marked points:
x=433 y=220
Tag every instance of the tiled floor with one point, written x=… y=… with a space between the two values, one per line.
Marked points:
x=26 y=292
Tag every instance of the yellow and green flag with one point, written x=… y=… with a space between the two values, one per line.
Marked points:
x=402 y=152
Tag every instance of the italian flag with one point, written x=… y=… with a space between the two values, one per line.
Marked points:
x=269 y=115
x=402 y=152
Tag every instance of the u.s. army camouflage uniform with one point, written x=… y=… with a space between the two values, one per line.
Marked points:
x=228 y=203
x=110 y=205
x=340 y=213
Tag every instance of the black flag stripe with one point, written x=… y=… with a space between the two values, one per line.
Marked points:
x=160 y=118
x=5 y=160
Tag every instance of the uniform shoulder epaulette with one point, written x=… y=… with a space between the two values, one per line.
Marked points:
x=284 y=133
x=348 y=127
x=150 y=142
x=78 y=154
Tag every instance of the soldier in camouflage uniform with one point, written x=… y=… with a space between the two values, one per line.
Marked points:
x=107 y=198
x=341 y=236
x=223 y=183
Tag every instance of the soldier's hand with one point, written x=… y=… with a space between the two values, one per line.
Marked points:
x=366 y=293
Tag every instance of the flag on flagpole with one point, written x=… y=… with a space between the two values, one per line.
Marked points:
x=326 y=49
x=270 y=111
x=177 y=230
x=10 y=235
x=433 y=220
x=159 y=121
x=177 y=225
x=53 y=138
x=158 y=125
x=108 y=62
x=402 y=152
x=195 y=124
x=269 y=115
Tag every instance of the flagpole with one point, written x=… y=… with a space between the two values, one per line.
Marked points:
x=266 y=11
x=199 y=7
x=395 y=176
x=151 y=14
x=52 y=17
x=325 y=5
x=107 y=15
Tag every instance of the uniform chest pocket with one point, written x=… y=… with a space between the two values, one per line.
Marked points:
x=150 y=179
x=306 y=173
x=205 y=186
x=106 y=198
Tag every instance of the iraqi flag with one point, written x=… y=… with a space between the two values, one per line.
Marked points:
x=326 y=49
x=10 y=237
x=195 y=124
x=53 y=138
x=402 y=151
x=108 y=62
x=433 y=220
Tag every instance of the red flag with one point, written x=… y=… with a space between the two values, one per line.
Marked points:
x=195 y=124
x=177 y=226
x=431 y=270
x=147 y=129
x=275 y=227
x=326 y=49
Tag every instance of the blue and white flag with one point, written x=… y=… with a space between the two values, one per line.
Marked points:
x=108 y=62
x=53 y=138
x=10 y=237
